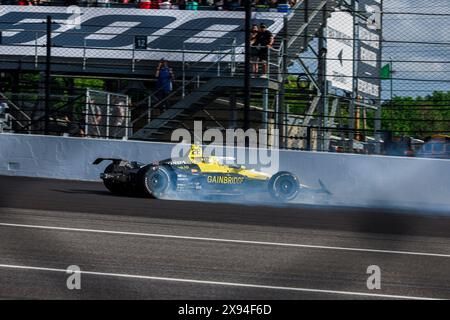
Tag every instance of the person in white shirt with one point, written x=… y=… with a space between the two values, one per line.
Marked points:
x=165 y=5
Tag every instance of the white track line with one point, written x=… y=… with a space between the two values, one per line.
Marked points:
x=230 y=284
x=292 y=245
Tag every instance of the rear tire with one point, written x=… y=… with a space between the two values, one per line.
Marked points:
x=158 y=182
x=112 y=186
x=284 y=186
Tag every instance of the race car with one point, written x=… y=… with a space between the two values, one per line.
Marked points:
x=198 y=175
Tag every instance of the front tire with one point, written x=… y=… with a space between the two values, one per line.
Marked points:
x=284 y=186
x=157 y=182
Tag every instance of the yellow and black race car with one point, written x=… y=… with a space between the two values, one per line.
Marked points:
x=198 y=175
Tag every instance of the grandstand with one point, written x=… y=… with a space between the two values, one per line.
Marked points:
x=205 y=48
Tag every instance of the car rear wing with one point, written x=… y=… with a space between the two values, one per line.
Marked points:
x=100 y=160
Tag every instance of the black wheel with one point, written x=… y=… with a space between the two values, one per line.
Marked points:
x=114 y=187
x=157 y=181
x=284 y=186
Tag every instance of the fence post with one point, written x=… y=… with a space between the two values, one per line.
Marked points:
x=36 y=50
x=265 y=108
x=128 y=129
x=149 y=109
x=132 y=60
x=86 y=116
x=233 y=57
x=281 y=102
x=280 y=64
x=183 y=90
x=108 y=111
x=219 y=57
x=48 y=63
x=84 y=54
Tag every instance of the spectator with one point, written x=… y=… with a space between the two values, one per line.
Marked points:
x=155 y=4
x=234 y=5
x=265 y=41
x=119 y=119
x=219 y=4
x=283 y=6
x=254 y=51
x=144 y=4
x=182 y=4
x=192 y=5
x=104 y=3
x=165 y=5
x=91 y=3
x=165 y=76
x=226 y=5
x=95 y=117
x=261 y=5
x=73 y=127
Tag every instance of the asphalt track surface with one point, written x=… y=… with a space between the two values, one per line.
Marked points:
x=134 y=248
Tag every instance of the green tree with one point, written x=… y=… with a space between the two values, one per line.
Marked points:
x=418 y=117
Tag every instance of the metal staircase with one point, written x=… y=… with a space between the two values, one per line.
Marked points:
x=200 y=91
x=303 y=24
x=17 y=119
x=200 y=98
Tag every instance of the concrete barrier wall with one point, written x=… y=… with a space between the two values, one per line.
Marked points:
x=378 y=181
x=69 y=158
x=353 y=179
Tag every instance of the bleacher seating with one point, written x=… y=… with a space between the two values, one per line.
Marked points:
x=228 y=5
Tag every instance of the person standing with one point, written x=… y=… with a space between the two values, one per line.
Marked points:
x=95 y=119
x=192 y=5
x=265 y=41
x=120 y=114
x=165 y=5
x=73 y=127
x=254 y=51
x=164 y=85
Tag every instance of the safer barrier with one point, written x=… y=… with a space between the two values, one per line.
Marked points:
x=353 y=179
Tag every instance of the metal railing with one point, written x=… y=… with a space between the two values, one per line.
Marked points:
x=211 y=70
x=107 y=114
x=131 y=55
x=224 y=66
x=25 y=119
x=310 y=18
